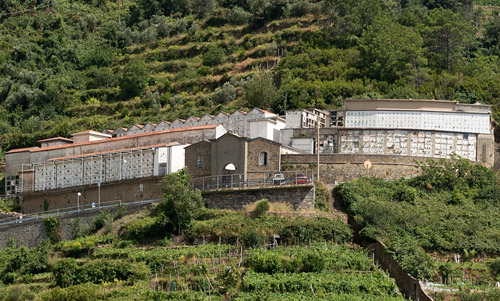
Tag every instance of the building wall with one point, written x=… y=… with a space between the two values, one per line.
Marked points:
x=255 y=148
x=229 y=149
x=202 y=150
x=429 y=144
x=15 y=160
x=441 y=121
x=125 y=190
x=301 y=197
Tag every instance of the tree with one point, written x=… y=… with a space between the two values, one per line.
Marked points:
x=134 y=79
x=491 y=36
x=260 y=90
x=225 y=94
x=446 y=34
x=213 y=56
x=390 y=51
x=182 y=204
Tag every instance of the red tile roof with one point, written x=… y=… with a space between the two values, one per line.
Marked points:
x=55 y=138
x=191 y=128
x=88 y=132
x=108 y=152
x=20 y=150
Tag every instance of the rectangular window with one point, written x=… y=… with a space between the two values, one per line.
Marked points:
x=199 y=162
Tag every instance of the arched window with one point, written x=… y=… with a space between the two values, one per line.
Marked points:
x=263 y=158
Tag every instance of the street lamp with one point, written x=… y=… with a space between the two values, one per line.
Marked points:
x=78 y=194
x=99 y=194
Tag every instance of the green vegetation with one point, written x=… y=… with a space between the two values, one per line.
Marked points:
x=451 y=208
x=106 y=267
x=92 y=65
x=180 y=250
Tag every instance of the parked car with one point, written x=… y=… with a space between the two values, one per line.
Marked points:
x=301 y=178
x=278 y=179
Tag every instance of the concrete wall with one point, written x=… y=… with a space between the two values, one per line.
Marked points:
x=342 y=167
x=126 y=191
x=300 y=197
x=32 y=233
x=16 y=159
x=229 y=149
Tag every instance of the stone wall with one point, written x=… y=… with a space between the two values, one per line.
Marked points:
x=125 y=190
x=31 y=233
x=301 y=197
x=409 y=286
x=255 y=148
x=335 y=168
x=198 y=159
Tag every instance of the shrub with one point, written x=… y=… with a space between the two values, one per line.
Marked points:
x=77 y=229
x=64 y=271
x=143 y=228
x=321 y=196
x=262 y=261
x=237 y=16
x=404 y=193
x=224 y=94
x=303 y=230
x=67 y=272
x=261 y=207
x=103 y=220
x=52 y=229
x=213 y=56
x=252 y=238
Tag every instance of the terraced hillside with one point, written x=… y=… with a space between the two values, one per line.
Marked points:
x=74 y=65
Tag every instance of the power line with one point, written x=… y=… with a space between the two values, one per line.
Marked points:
x=31 y=9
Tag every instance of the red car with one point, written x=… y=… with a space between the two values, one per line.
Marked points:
x=301 y=178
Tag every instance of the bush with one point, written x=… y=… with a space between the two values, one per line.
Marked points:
x=303 y=230
x=252 y=238
x=237 y=16
x=321 y=196
x=52 y=229
x=213 y=56
x=225 y=94
x=261 y=207
x=103 y=220
x=143 y=228
x=67 y=272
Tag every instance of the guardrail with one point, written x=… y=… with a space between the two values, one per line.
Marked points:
x=229 y=181
x=19 y=219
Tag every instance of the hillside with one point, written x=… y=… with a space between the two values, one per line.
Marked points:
x=441 y=226
x=221 y=255
x=75 y=65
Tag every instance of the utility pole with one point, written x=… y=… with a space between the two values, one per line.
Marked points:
x=119 y=13
x=317 y=148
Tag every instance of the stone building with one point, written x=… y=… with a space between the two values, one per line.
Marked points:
x=244 y=156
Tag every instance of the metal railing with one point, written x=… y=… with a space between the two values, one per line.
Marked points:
x=19 y=219
x=254 y=179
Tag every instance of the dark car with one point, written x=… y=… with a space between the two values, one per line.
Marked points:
x=301 y=178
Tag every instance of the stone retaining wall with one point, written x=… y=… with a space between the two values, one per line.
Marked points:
x=409 y=286
x=301 y=197
x=336 y=168
x=31 y=233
